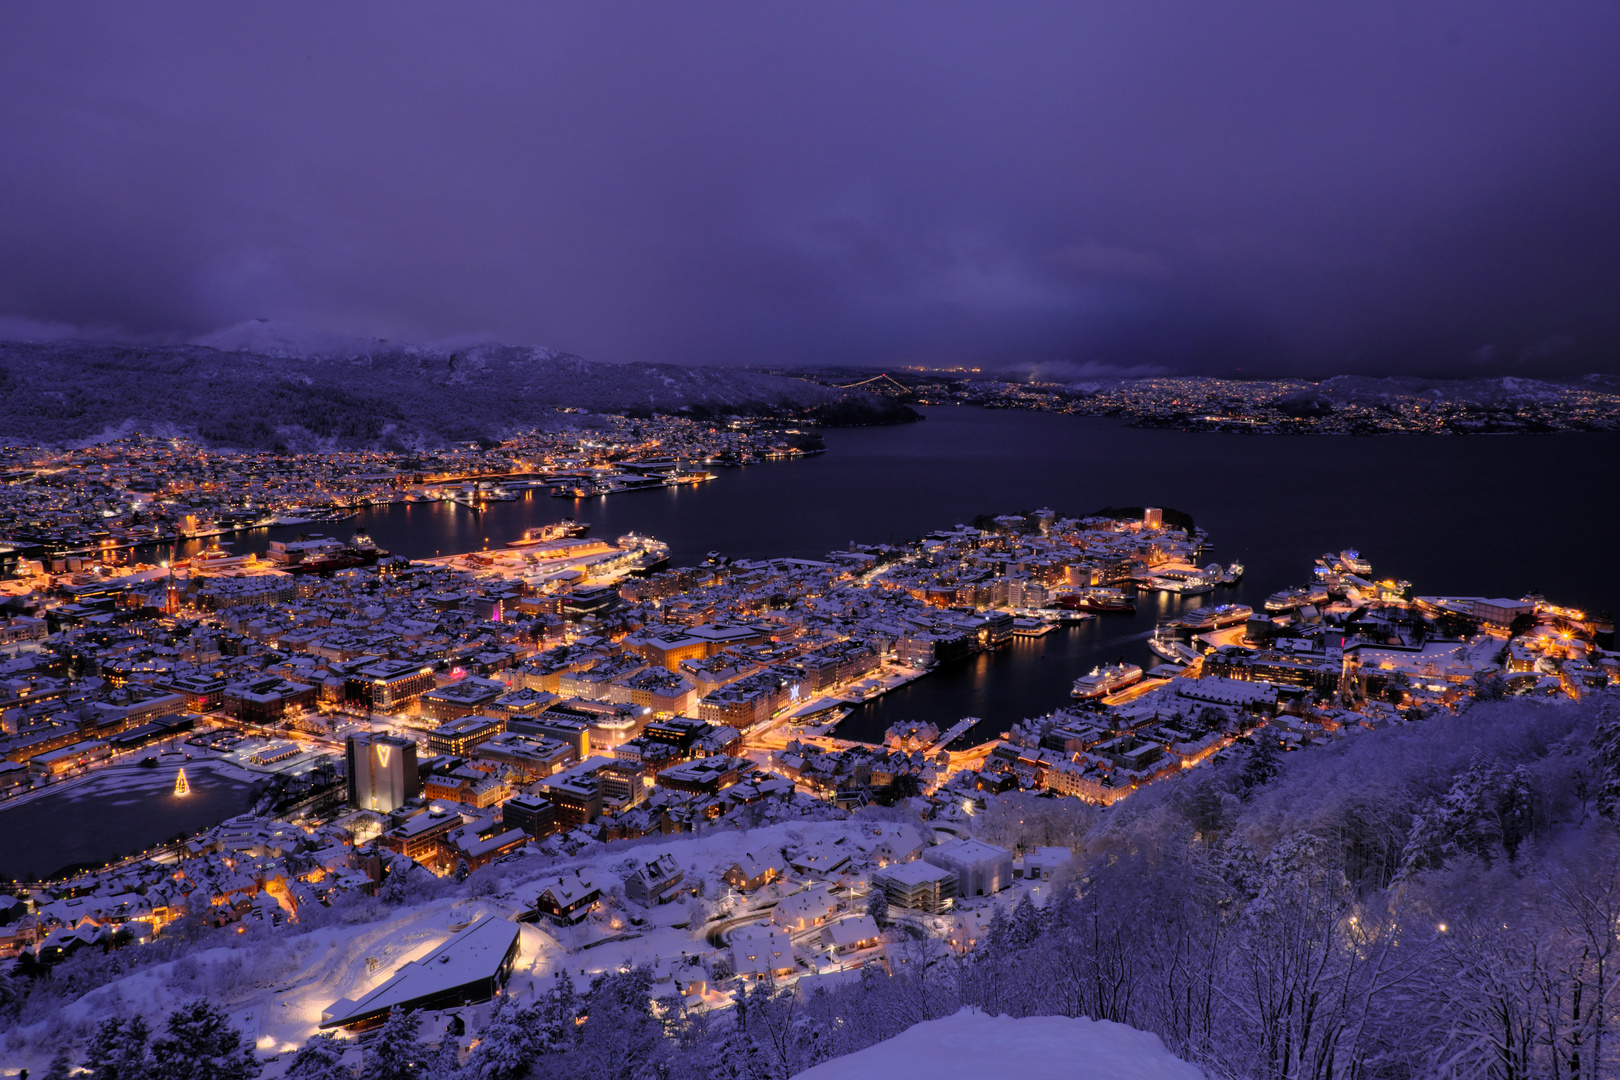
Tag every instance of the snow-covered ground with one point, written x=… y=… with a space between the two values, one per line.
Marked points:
x=972 y=1045
x=276 y=986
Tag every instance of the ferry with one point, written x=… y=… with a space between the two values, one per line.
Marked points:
x=566 y=529
x=1286 y=600
x=1106 y=679
x=1216 y=617
x=1233 y=574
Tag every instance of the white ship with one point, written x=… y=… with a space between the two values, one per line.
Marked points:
x=1350 y=561
x=1233 y=574
x=1166 y=647
x=1106 y=679
x=1287 y=600
x=1216 y=617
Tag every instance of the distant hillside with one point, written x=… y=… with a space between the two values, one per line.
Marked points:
x=307 y=391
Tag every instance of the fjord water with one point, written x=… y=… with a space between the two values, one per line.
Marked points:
x=1497 y=515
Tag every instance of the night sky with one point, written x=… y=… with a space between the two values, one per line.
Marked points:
x=1067 y=187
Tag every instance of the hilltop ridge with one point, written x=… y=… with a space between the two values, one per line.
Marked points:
x=274 y=386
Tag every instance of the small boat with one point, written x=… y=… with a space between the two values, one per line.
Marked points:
x=1233 y=574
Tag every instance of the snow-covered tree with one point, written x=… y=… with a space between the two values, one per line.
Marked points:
x=201 y=1044
x=117 y=1051
x=61 y=1067
x=507 y=1045
x=1261 y=764
x=321 y=1058
x=737 y=1056
x=877 y=906
x=395 y=1053
x=445 y=1064
x=1606 y=759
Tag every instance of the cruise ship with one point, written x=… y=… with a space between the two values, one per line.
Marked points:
x=566 y=529
x=1284 y=600
x=1106 y=679
x=1216 y=617
x=1350 y=561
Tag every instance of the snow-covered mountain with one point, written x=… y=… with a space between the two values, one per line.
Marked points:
x=973 y=1045
x=266 y=384
x=273 y=337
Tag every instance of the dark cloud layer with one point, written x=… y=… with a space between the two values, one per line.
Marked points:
x=1181 y=186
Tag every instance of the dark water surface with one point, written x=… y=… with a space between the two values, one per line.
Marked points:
x=116 y=812
x=1496 y=515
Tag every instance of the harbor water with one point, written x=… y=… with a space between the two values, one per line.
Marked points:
x=1498 y=516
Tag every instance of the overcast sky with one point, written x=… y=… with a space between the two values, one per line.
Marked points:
x=1219 y=187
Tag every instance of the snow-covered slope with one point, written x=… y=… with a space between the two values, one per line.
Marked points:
x=272 y=385
x=272 y=337
x=974 y=1046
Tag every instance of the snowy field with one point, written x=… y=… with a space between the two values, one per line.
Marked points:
x=972 y=1045
x=276 y=986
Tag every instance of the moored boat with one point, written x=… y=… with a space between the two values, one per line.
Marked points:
x=1106 y=679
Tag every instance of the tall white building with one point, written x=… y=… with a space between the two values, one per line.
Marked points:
x=382 y=772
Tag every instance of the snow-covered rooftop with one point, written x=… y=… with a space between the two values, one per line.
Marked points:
x=474 y=955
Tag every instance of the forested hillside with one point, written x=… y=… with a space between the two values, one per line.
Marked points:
x=403 y=396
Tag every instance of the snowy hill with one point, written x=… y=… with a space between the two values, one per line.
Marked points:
x=972 y=1045
x=272 y=337
x=266 y=384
